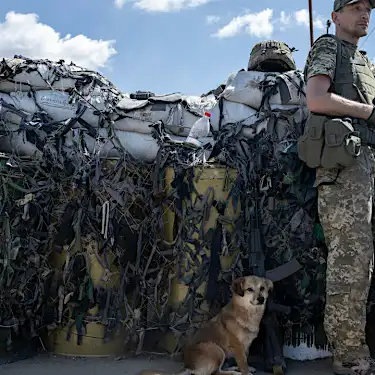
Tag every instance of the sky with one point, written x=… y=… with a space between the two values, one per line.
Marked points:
x=162 y=46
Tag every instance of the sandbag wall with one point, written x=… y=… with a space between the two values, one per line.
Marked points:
x=61 y=125
x=38 y=95
x=73 y=219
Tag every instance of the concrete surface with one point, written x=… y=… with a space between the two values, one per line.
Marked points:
x=54 y=365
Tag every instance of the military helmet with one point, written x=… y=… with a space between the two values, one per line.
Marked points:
x=338 y=4
x=271 y=56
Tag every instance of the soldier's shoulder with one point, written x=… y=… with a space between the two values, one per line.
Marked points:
x=325 y=44
x=321 y=59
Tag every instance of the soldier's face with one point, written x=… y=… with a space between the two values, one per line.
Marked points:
x=353 y=19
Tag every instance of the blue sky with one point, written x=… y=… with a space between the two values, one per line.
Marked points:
x=164 y=46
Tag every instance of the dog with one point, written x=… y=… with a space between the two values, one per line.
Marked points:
x=230 y=333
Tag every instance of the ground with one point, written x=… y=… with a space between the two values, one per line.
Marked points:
x=54 y=365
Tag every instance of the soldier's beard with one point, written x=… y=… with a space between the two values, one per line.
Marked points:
x=353 y=32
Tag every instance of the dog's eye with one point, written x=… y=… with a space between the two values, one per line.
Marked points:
x=250 y=289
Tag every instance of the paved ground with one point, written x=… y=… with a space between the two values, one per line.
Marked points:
x=53 y=365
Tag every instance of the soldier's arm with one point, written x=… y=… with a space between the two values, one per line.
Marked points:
x=320 y=71
x=320 y=100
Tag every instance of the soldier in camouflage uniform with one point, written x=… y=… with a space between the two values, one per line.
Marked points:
x=346 y=196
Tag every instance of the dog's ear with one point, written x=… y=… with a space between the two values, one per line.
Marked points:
x=238 y=285
x=269 y=285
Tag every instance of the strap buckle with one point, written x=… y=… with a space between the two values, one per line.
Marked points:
x=265 y=183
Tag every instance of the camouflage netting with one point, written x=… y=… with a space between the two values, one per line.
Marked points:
x=80 y=185
x=289 y=223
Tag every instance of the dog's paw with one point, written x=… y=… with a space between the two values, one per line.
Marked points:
x=235 y=369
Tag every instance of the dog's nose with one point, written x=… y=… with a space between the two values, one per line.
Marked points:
x=260 y=300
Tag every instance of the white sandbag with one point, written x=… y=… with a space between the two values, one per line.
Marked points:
x=56 y=104
x=141 y=146
x=250 y=87
x=10 y=114
x=38 y=75
x=137 y=115
x=233 y=113
x=15 y=142
x=291 y=89
x=23 y=74
x=247 y=87
x=199 y=104
x=177 y=119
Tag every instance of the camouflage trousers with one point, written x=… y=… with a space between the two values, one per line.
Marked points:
x=346 y=214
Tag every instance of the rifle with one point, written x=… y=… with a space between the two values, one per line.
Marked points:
x=273 y=358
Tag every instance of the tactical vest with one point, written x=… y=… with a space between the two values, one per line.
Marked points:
x=354 y=79
x=335 y=142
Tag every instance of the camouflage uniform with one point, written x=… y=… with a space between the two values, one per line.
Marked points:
x=345 y=205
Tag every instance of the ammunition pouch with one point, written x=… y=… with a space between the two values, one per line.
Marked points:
x=329 y=142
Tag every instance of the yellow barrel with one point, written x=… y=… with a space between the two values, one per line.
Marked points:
x=219 y=180
x=92 y=344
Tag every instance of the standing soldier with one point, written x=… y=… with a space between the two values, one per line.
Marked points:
x=340 y=94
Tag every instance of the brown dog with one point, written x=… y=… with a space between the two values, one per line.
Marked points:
x=231 y=332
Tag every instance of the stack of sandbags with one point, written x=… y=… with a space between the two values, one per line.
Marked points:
x=36 y=95
x=85 y=111
x=251 y=96
x=132 y=121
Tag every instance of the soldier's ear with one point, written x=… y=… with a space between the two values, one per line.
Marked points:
x=238 y=286
x=334 y=16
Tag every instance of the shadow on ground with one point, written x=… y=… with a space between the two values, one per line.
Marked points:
x=55 y=365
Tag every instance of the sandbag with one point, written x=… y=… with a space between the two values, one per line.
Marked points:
x=247 y=87
x=178 y=114
x=9 y=114
x=290 y=89
x=232 y=113
x=15 y=141
x=24 y=74
x=177 y=120
x=56 y=104
x=254 y=88
x=200 y=104
x=140 y=146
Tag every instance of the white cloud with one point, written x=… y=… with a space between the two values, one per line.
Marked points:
x=23 y=34
x=302 y=18
x=256 y=24
x=162 y=5
x=285 y=19
x=212 y=19
x=119 y=3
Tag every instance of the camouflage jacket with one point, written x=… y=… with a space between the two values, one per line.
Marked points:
x=321 y=60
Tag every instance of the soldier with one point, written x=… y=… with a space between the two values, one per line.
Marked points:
x=346 y=194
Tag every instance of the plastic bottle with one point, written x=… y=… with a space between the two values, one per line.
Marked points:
x=200 y=129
